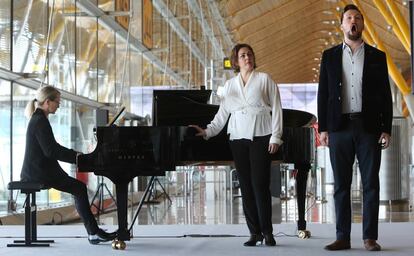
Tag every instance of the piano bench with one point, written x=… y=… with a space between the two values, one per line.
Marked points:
x=30 y=227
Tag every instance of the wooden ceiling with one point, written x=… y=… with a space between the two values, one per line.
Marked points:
x=288 y=36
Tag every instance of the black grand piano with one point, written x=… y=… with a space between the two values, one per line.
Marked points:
x=123 y=153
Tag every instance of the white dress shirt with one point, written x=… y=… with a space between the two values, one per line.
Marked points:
x=254 y=109
x=352 y=68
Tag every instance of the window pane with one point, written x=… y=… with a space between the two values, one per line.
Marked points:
x=29 y=35
x=299 y=96
x=21 y=96
x=106 y=61
x=86 y=57
x=123 y=78
x=62 y=46
x=5 y=34
x=4 y=142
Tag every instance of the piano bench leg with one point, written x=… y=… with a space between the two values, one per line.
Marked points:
x=30 y=224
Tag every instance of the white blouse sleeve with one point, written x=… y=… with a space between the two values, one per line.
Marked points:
x=220 y=119
x=277 y=112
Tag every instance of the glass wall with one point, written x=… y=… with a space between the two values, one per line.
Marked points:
x=106 y=60
x=5 y=142
x=5 y=43
x=21 y=96
x=299 y=96
x=72 y=47
x=29 y=36
x=62 y=59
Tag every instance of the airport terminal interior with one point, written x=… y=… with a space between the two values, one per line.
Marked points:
x=146 y=64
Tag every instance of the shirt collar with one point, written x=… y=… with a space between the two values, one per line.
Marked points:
x=241 y=80
x=344 y=46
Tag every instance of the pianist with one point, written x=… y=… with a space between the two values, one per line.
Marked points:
x=252 y=101
x=41 y=160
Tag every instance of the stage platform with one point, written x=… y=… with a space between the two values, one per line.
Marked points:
x=395 y=238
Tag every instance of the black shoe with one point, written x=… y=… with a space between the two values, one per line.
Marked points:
x=111 y=235
x=270 y=240
x=338 y=245
x=101 y=236
x=254 y=239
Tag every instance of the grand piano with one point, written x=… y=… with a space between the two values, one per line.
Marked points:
x=123 y=153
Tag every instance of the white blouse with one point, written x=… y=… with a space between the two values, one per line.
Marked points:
x=254 y=109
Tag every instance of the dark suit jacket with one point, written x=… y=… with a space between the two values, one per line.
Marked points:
x=43 y=152
x=376 y=93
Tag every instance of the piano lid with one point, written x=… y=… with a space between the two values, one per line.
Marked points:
x=118 y=115
x=297 y=118
x=184 y=107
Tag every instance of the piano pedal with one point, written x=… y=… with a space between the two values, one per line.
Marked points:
x=118 y=245
x=304 y=234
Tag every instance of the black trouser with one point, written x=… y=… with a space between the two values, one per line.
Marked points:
x=343 y=145
x=252 y=161
x=78 y=189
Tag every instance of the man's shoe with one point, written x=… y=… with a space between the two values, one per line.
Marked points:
x=371 y=245
x=101 y=236
x=338 y=245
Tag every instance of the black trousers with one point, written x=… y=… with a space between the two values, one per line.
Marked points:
x=343 y=146
x=252 y=161
x=78 y=189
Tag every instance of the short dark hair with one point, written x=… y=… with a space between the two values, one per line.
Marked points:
x=350 y=7
x=234 y=56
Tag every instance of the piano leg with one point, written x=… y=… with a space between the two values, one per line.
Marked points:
x=301 y=180
x=122 y=201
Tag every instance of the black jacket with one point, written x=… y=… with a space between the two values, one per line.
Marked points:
x=376 y=93
x=43 y=152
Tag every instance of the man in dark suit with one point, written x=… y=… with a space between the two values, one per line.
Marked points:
x=355 y=118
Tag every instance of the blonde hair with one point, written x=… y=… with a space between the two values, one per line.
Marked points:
x=43 y=93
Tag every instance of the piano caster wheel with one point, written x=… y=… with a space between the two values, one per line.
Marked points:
x=304 y=234
x=118 y=245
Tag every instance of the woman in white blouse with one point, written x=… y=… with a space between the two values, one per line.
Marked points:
x=252 y=101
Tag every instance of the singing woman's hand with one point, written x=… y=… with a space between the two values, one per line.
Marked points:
x=200 y=131
x=273 y=147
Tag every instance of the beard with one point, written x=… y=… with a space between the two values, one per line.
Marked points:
x=354 y=36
